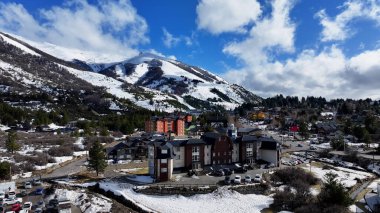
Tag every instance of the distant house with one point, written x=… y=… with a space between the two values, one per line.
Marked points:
x=118 y=151
x=326 y=128
x=248 y=131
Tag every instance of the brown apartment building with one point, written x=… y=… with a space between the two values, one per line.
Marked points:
x=172 y=124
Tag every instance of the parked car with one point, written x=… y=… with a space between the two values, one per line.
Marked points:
x=237 y=179
x=28 y=185
x=41 y=204
x=16 y=207
x=227 y=171
x=37 y=182
x=227 y=180
x=2 y=195
x=248 y=179
x=257 y=178
x=39 y=191
x=27 y=205
x=218 y=173
x=240 y=170
x=23 y=193
x=269 y=165
x=299 y=145
x=12 y=194
x=38 y=210
x=53 y=203
x=8 y=201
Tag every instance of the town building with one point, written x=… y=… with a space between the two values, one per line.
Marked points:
x=169 y=124
x=209 y=150
x=160 y=160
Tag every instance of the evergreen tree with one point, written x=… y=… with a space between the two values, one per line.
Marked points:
x=97 y=161
x=337 y=143
x=333 y=192
x=104 y=132
x=304 y=131
x=11 y=143
x=4 y=170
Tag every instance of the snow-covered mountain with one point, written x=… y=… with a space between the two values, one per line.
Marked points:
x=147 y=80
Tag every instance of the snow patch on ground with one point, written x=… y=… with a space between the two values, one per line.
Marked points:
x=222 y=200
x=79 y=197
x=348 y=177
x=4 y=128
x=63 y=159
x=23 y=175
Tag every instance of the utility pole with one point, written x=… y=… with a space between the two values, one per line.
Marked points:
x=10 y=172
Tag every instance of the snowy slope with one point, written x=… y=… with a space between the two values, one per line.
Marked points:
x=174 y=77
x=222 y=200
x=69 y=54
x=148 y=80
x=113 y=87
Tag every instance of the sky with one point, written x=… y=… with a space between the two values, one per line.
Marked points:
x=328 y=48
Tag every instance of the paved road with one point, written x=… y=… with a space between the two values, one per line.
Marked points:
x=355 y=193
x=66 y=170
x=69 y=169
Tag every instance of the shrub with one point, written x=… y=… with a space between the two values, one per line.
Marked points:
x=288 y=176
x=65 y=150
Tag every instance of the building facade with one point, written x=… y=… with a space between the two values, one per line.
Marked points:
x=170 y=124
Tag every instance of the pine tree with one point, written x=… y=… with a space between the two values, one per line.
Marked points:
x=97 y=157
x=104 y=132
x=11 y=143
x=333 y=192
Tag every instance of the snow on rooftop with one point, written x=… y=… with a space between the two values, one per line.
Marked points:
x=222 y=200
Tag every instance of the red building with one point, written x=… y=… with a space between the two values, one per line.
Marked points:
x=171 y=124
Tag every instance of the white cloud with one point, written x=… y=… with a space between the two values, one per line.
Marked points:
x=338 y=28
x=274 y=32
x=169 y=40
x=108 y=26
x=219 y=16
x=327 y=72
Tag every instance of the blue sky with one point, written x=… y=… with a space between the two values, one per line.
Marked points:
x=294 y=47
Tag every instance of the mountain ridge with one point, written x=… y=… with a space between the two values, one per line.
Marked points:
x=149 y=81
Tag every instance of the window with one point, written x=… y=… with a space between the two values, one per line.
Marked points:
x=218 y=153
x=213 y=154
x=164 y=151
x=178 y=149
x=225 y=153
x=163 y=170
x=195 y=157
x=195 y=149
x=164 y=160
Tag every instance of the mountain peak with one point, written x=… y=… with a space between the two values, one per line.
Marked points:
x=145 y=57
